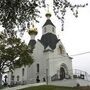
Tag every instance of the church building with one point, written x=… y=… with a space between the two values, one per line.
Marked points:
x=51 y=61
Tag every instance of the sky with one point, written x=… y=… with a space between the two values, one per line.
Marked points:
x=75 y=36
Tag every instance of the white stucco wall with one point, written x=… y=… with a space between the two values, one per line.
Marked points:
x=18 y=72
x=39 y=58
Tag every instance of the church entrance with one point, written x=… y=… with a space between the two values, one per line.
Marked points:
x=62 y=73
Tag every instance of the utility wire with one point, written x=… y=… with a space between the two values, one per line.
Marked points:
x=80 y=53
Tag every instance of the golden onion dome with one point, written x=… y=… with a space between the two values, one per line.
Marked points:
x=32 y=30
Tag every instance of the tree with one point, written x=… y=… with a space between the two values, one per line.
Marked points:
x=13 y=53
x=17 y=12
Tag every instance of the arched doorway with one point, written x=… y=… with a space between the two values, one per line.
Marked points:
x=62 y=73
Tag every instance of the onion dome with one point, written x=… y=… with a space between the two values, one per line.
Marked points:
x=48 y=15
x=32 y=30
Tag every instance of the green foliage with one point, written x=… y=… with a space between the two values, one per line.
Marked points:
x=16 y=12
x=13 y=53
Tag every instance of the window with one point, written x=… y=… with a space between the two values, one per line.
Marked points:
x=17 y=78
x=45 y=29
x=53 y=29
x=23 y=72
x=12 y=77
x=38 y=68
x=61 y=49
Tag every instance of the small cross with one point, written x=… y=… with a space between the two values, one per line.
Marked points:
x=48 y=7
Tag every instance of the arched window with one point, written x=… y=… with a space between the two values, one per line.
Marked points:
x=37 y=68
x=18 y=78
x=45 y=29
x=53 y=29
x=23 y=72
x=12 y=77
x=61 y=49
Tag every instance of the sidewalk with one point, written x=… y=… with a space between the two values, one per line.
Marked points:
x=24 y=86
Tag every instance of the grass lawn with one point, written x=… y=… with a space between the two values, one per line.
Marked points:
x=44 y=87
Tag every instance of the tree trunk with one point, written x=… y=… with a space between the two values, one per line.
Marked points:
x=0 y=79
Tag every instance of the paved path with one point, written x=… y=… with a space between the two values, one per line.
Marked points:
x=24 y=86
